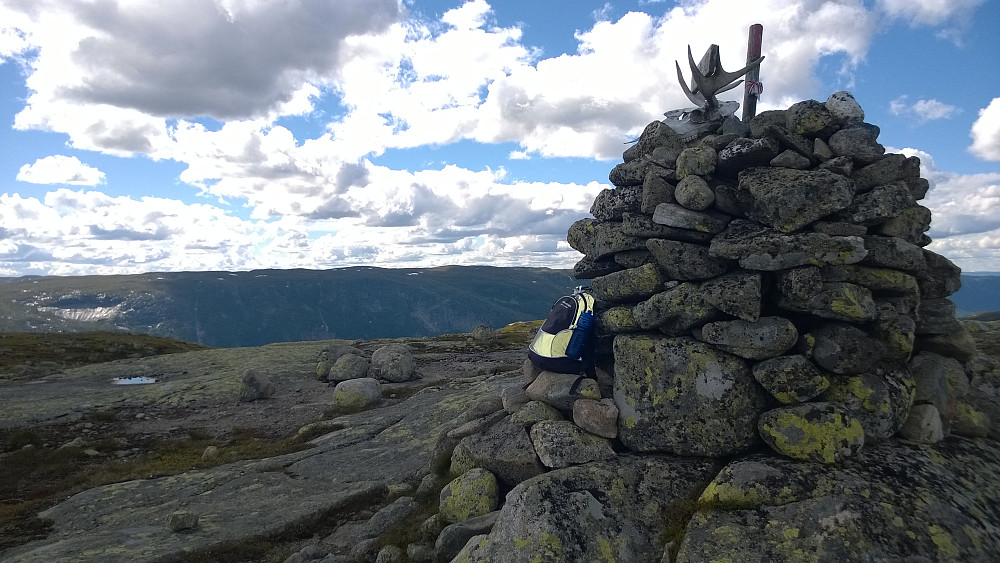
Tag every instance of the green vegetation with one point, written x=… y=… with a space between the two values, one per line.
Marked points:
x=28 y=355
x=38 y=472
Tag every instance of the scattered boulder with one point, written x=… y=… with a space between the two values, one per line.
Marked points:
x=348 y=366
x=255 y=385
x=393 y=363
x=357 y=394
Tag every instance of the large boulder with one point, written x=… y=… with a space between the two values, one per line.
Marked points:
x=619 y=510
x=393 y=363
x=895 y=501
x=356 y=394
x=757 y=247
x=819 y=432
x=681 y=396
x=788 y=200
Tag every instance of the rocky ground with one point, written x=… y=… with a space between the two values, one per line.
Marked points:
x=99 y=432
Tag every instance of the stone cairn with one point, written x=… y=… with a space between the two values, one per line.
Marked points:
x=772 y=284
x=759 y=285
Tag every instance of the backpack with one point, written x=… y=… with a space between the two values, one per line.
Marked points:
x=564 y=342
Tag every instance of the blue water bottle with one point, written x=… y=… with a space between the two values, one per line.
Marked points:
x=581 y=334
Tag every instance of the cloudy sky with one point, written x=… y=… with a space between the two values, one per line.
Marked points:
x=238 y=134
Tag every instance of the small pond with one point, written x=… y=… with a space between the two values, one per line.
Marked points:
x=137 y=380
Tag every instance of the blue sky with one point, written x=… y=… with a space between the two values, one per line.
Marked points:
x=241 y=134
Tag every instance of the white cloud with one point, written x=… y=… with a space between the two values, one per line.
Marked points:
x=986 y=132
x=930 y=12
x=965 y=211
x=922 y=110
x=60 y=169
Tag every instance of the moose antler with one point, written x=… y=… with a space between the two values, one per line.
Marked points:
x=710 y=78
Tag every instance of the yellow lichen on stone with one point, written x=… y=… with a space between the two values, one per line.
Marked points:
x=726 y=495
x=821 y=439
x=942 y=539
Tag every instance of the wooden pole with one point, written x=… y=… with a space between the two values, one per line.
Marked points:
x=750 y=91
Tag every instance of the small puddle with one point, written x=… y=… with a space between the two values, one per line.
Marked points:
x=138 y=380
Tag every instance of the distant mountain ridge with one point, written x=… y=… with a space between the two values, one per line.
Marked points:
x=228 y=309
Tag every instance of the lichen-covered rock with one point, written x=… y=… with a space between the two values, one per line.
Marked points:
x=969 y=421
x=693 y=193
x=609 y=205
x=894 y=253
x=738 y=294
x=879 y=205
x=656 y=136
x=942 y=277
x=882 y=281
x=504 y=449
x=348 y=366
x=359 y=393
x=633 y=172
x=820 y=432
x=765 y=119
x=842 y=348
x=743 y=153
x=617 y=320
x=896 y=332
x=255 y=385
x=633 y=258
x=681 y=396
x=453 y=537
x=888 y=503
x=563 y=443
x=790 y=379
x=910 y=225
x=643 y=226
x=673 y=215
x=588 y=268
x=474 y=493
x=561 y=389
x=757 y=247
x=838 y=301
x=842 y=165
x=764 y=338
x=393 y=363
x=880 y=399
x=811 y=119
x=788 y=200
x=589 y=512
x=675 y=311
x=655 y=190
x=597 y=239
x=684 y=260
x=699 y=160
x=957 y=344
x=628 y=285
x=858 y=143
x=597 y=417
x=791 y=159
x=936 y=316
x=843 y=107
x=535 y=411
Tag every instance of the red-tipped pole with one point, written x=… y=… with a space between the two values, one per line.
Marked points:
x=752 y=88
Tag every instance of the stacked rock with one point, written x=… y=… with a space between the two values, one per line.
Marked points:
x=771 y=283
